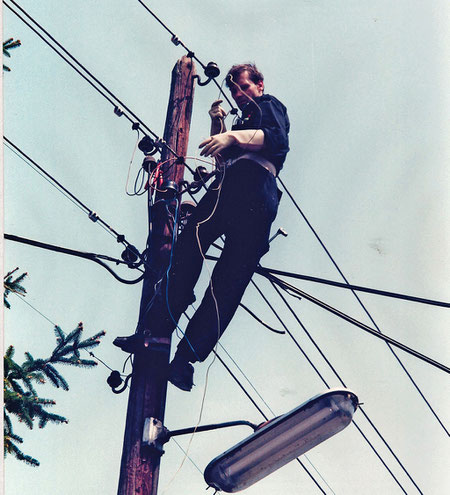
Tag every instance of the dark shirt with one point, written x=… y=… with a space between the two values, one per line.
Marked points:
x=269 y=115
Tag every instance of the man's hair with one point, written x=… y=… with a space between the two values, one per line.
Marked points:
x=238 y=69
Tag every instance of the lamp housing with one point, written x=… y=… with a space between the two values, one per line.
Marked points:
x=281 y=440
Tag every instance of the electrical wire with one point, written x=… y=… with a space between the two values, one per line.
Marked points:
x=316 y=235
x=262 y=270
x=129 y=166
x=357 y=323
x=91 y=214
x=80 y=254
x=119 y=107
x=176 y=41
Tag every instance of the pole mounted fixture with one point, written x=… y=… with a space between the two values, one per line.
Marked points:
x=281 y=440
x=211 y=72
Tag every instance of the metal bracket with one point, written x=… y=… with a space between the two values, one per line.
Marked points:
x=154 y=436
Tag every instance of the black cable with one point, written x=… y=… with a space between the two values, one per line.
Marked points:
x=262 y=270
x=345 y=386
x=357 y=323
x=250 y=312
x=362 y=305
x=115 y=105
x=80 y=254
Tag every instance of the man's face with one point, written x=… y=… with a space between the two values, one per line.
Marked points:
x=244 y=88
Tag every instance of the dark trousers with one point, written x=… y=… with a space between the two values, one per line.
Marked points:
x=242 y=209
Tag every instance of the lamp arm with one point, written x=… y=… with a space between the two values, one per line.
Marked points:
x=197 y=429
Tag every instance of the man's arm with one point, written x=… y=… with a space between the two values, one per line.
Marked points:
x=247 y=139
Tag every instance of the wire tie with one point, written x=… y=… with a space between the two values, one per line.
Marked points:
x=93 y=216
x=190 y=54
x=135 y=126
x=118 y=111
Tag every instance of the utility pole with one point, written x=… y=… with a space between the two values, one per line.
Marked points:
x=139 y=469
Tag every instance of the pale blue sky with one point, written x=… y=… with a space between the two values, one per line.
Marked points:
x=366 y=87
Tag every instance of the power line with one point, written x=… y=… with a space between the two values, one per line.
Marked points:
x=91 y=214
x=262 y=270
x=357 y=323
x=80 y=254
x=119 y=107
x=140 y=2
x=177 y=41
x=362 y=305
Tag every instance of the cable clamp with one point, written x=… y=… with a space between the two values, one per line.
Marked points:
x=175 y=40
x=93 y=216
x=118 y=111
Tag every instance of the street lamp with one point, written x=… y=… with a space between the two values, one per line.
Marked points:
x=281 y=440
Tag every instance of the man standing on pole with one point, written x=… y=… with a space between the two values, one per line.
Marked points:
x=241 y=205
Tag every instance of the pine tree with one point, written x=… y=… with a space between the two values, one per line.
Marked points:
x=9 y=45
x=20 y=397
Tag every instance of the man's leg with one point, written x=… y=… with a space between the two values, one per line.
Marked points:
x=249 y=218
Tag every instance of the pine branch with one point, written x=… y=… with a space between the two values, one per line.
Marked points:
x=20 y=397
x=11 y=285
x=9 y=45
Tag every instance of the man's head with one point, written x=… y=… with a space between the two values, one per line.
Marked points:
x=245 y=83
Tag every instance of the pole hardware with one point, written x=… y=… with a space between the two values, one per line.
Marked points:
x=148 y=145
x=130 y=255
x=142 y=343
x=149 y=164
x=280 y=231
x=154 y=436
x=114 y=380
x=211 y=72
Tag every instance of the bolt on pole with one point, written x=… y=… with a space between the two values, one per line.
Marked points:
x=139 y=469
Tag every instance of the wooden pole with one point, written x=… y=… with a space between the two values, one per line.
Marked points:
x=139 y=469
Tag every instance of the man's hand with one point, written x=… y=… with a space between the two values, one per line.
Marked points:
x=217 y=112
x=215 y=144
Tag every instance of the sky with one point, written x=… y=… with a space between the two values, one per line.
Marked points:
x=366 y=87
